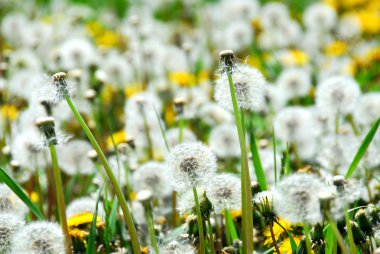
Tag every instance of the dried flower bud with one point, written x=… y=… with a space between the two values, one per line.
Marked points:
x=226 y=61
x=92 y=154
x=179 y=104
x=46 y=125
x=90 y=94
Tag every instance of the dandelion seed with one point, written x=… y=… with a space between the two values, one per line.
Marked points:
x=190 y=164
x=39 y=238
x=172 y=136
x=9 y=224
x=249 y=87
x=367 y=110
x=296 y=198
x=294 y=82
x=175 y=247
x=213 y=114
x=152 y=176
x=224 y=192
x=11 y=203
x=319 y=16
x=224 y=141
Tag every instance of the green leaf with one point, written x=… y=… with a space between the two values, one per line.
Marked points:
x=113 y=216
x=363 y=148
x=259 y=171
x=91 y=237
x=292 y=243
x=5 y=178
x=329 y=237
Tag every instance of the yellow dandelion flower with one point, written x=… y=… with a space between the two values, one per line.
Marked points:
x=182 y=78
x=254 y=61
x=169 y=114
x=94 y=28
x=348 y=4
x=285 y=246
x=78 y=233
x=336 y=48
x=118 y=137
x=235 y=214
x=369 y=21
x=294 y=57
x=277 y=230
x=203 y=76
x=107 y=94
x=132 y=195
x=9 y=112
x=144 y=250
x=108 y=39
x=34 y=197
x=81 y=219
x=132 y=89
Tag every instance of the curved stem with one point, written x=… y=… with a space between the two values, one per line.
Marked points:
x=211 y=236
x=60 y=198
x=111 y=176
x=274 y=238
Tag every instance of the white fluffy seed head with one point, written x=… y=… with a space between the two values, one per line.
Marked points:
x=175 y=247
x=83 y=205
x=224 y=141
x=296 y=198
x=172 y=136
x=368 y=108
x=11 y=203
x=294 y=82
x=74 y=159
x=9 y=224
x=190 y=164
x=319 y=16
x=224 y=192
x=249 y=86
x=338 y=94
x=213 y=114
x=39 y=238
x=293 y=124
x=152 y=176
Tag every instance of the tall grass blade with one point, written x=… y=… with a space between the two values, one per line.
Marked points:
x=363 y=148
x=91 y=237
x=5 y=178
x=259 y=171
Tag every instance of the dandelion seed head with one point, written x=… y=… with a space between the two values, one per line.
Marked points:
x=249 y=87
x=152 y=176
x=172 y=136
x=319 y=16
x=11 y=203
x=186 y=200
x=224 y=192
x=367 y=110
x=294 y=82
x=293 y=123
x=175 y=247
x=296 y=198
x=224 y=141
x=349 y=27
x=190 y=164
x=338 y=94
x=273 y=14
x=39 y=238
x=74 y=159
x=83 y=205
x=213 y=114
x=9 y=224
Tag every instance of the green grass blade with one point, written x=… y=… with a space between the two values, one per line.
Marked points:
x=113 y=216
x=293 y=243
x=91 y=238
x=259 y=171
x=287 y=161
x=161 y=128
x=363 y=148
x=274 y=157
x=5 y=178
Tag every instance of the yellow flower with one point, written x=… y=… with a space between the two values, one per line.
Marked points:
x=235 y=213
x=107 y=94
x=78 y=233
x=108 y=39
x=254 y=61
x=277 y=230
x=169 y=114
x=144 y=250
x=80 y=223
x=9 y=112
x=34 y=197
x=336 y=48
x=294 y=57
x=182 y=78
x=285 y=247
x=369 y=21
x=118 y=137
x=132 y=195
x=132 y=89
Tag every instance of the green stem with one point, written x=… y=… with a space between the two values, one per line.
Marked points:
x=212 y=244
x=111 y=176
x=148 y=137
x=337 y=234
x=152 y=233
x=60 y=198
x=337 y=123
x=274 y=238
x=349 y=232
x=353 y=125
x=180 y=126
x=202 y=248
x=247 y=220
x=274 y=157
x=306 y=231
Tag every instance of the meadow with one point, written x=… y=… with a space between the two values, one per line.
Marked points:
x=189 y=126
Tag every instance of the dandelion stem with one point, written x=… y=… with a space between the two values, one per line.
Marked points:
x=60 y=198
x=274 y=156
x=306 y=230
x=274 y=238
x=349 y=232
x=247 y=220
x=181 y=124
x=111 y=176
x=212 y=244
x=337 y=123
x=149 y=219
x=337 y=234
x=201 y=249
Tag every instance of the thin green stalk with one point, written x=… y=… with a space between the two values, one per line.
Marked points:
x=211 y=234
x=202 y=247
x=274 y=157
x=162 y=129
x=337 y=123
x=349 y=232
x=231 y=229
x=148 y=137
x=247 y=220
x=149 y=219
x=337 y=234
x=60 y=198
x=306 y=231
x=111 y=176
x=353 y=125
x=181 y=125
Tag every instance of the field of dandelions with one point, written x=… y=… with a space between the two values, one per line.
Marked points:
x=189 y=126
